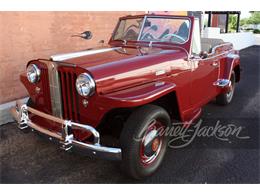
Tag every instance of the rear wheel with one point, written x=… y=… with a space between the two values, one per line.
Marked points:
x=143 y=141
x=226 y=98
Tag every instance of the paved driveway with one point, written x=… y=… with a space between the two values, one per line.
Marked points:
x=26 y=158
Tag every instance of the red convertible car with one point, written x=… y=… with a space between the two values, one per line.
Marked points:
x=155 y=69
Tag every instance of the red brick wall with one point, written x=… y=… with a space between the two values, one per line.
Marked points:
x=30 y=35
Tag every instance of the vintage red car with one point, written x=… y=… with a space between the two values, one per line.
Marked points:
x=156 y=69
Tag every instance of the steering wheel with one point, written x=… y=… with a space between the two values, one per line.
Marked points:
x=130 y=28
x=174 y=35
x=147 y=36
x=130 y=35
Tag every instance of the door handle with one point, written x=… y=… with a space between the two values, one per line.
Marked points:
x=215 y=64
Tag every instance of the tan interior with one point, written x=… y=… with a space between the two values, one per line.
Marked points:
x=208 y=44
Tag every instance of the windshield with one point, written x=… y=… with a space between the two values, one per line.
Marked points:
x=157 y=29
x=128 y=29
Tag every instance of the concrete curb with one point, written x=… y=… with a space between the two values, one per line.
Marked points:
x=257 y=39
x=5 y=116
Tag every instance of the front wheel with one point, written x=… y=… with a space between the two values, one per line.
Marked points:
x=143 y=141
x=226 y=98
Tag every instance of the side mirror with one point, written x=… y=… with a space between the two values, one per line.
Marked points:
x=85 y=35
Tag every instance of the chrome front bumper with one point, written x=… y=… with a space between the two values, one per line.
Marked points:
x=67 y=141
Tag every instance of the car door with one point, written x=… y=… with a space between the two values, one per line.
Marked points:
x=204 y=74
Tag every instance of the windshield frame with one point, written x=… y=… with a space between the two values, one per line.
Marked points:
x=145 y=17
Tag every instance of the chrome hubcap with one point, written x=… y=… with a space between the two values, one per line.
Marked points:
x=151 y=144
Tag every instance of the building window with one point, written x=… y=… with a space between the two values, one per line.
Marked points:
x=227 y=21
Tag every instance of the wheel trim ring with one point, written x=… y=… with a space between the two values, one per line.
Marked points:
x=231 y=92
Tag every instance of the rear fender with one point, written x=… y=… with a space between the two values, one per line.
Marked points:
x=233 y=60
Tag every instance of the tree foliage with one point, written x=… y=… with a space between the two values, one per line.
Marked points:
x=253 y=19
x=232 y=22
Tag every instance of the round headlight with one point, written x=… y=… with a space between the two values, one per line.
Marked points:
x=33 y=73
x=85 y=85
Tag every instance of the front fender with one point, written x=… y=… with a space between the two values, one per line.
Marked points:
x=139 y=95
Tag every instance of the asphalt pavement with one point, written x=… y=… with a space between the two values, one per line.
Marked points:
x=27 y=158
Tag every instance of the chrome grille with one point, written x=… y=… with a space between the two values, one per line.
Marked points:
x=69 y=95
x=57 y=89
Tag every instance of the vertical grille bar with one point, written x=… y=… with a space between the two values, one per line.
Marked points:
x=68 y=87
x=73 y=79
x=69 y=95
x=54 y=87
x=46 y=89
x=63 y=90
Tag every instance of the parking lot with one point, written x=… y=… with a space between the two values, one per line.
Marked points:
x=27 y=158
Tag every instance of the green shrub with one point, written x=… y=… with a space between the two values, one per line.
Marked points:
x=256 y=31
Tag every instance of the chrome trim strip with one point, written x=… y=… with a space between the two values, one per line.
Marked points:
x=66 y=56
x=55 y=88
x=211 y=57
x=212 y=54
x=141 y=29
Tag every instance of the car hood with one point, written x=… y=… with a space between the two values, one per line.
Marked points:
x=117 y=68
